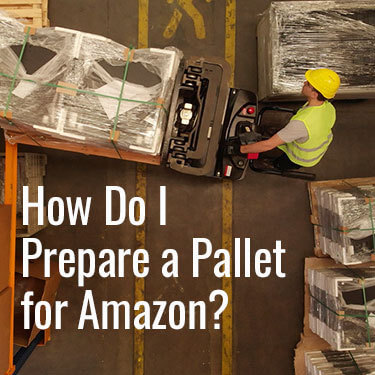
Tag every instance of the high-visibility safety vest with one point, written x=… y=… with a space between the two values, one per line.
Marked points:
x=319 y=121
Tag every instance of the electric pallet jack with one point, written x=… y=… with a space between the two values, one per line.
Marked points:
x=208 y=121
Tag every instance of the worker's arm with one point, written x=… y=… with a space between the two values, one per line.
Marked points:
x=262 y=146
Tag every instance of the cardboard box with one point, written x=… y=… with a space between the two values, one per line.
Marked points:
x=5 y=218
x=5 y=315
x=44 y=289
x=31 y=169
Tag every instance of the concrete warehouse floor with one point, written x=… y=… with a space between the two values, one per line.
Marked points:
x=267 y=312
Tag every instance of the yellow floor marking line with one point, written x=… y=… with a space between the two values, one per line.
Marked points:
x=227 y=318
x=230 y=36
x=192 y=12
x=139 y=283
x=172 y=26
x=142 y=23
x=227 y=204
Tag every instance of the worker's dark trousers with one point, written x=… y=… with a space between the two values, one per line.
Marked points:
x=284 y=163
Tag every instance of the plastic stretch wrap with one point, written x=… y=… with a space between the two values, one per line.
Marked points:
x=347 y=223
x=294 y=36
x=89 y=112
x=338 y=312
x=329 y=362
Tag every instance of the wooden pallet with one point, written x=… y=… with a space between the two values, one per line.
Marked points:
x=342 y=185
x=30 y=12
x=23 y=134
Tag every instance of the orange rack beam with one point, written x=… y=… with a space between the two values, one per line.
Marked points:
x=10 y=198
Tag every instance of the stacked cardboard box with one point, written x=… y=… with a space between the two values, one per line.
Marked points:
x=44 y=288
x=31 y=169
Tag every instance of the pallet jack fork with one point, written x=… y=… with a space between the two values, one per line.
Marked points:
x=287 y=173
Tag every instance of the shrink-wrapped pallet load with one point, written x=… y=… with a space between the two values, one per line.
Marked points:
x=329 y=362
x=345 y=222
x=294 y=36
x=61 y=87
x=342 y=306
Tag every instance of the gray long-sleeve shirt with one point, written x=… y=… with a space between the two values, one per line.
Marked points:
x=295 y=130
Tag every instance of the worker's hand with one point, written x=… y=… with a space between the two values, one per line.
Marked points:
x=232 y=146
x=248 y=138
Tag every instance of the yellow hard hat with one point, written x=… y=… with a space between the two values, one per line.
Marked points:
x=326 y=81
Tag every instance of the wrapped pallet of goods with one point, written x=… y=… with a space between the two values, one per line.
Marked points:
x=342 y=306
x=83 y=92
x=343 y=214
x=330 y=362
x=294 y=36
x=339 y=312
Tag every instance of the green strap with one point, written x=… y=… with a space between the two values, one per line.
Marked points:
x=119 y=102
x=355 y=363
x=16 y=71
x=372 y=229
x=364 y=195
x=335 y=312
x=121 y=92
x=13 y=78
x=354 y=272
x=371 y=215
x=88 y=92
x=366 y=311
x=116 y=148
x=366 y=316
x=372 y=224
x=119 y=99
x=28 y=135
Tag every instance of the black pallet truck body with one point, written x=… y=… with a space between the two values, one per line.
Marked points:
x=205 y=115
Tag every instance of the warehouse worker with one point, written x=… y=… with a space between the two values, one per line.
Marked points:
x=305 y=139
